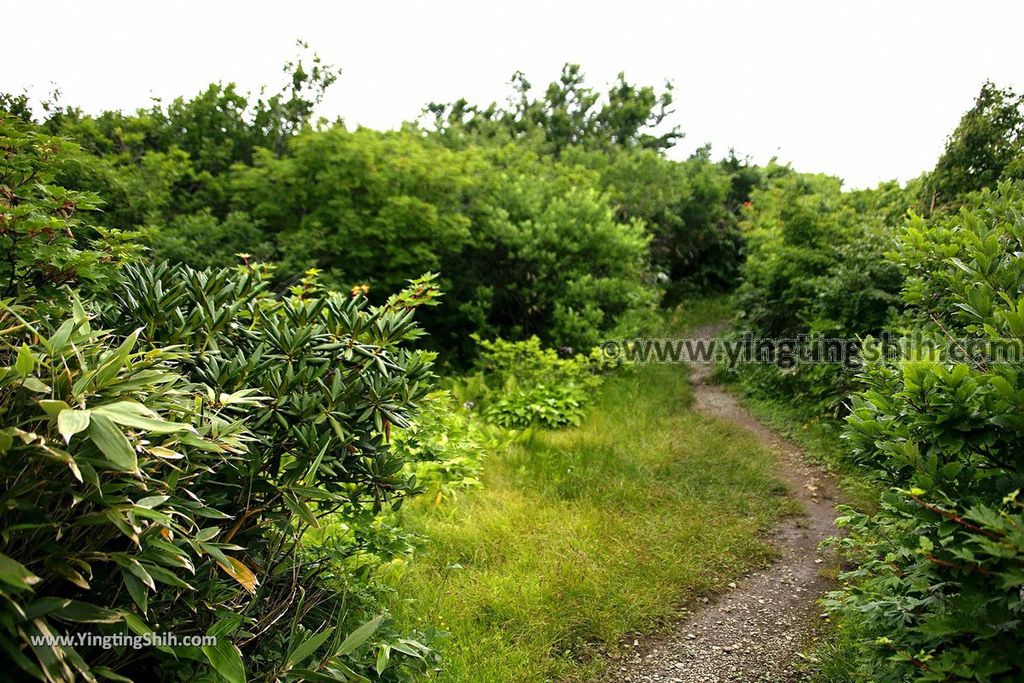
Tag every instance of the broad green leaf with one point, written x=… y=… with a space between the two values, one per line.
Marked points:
x=53 y=408
x=71 y=422
x=308 y=647
x=132 y=414
x=80 y=316
x=166 y=453
x=25 y=362
x=226 y=660
x=299 y=507
x=33 y=384
x=112 y=443
x=135 y=567
x=360 y=635
x=69 y=572
x=14 y=573
x=136 y=589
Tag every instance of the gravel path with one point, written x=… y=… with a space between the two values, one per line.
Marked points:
x=754 y=631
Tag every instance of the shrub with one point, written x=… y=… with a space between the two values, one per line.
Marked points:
x=46 y=238
x=159 y=473
x=939 y=587
x=528 y=385
x=445 y=446
x=816 y=267
x=103 y=523
x=696 y=244
x=336 y=381
x=986 y=148
x=548 y=259
x=524 y=245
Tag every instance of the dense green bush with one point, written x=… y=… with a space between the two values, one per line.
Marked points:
x=523 y=384
x=696 y=243
x=363 y=206
x=557 y=216
x=938 y=590
x=816 y=267
x=158 y=474
x=524 y=245
x=689 y=207
x=549 y=259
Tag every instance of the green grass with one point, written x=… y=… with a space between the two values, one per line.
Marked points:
x=584 y=535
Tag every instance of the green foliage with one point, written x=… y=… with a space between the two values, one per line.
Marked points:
x=46 y=237
x=202 y=240
x=557 y=217
x=986 y=147
x=938 y=589
x=103 y=523
x=696 y=243
x=160 y=473
x=445 y=447
x=569 y=113
x=363 y=206
x=814 y=261
x=525 y=384
x=816 y=267
x=524 y=245
x=551 y=260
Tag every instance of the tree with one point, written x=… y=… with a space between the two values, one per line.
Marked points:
x=986 y=147
x=569 y=113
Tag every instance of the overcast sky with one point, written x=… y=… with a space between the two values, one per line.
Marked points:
x=864 y=90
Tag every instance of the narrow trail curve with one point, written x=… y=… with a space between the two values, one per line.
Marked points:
x=753 y=632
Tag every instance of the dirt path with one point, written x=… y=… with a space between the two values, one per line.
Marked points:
x=754 y=631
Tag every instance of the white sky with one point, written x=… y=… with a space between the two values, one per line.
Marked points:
x=865 y=90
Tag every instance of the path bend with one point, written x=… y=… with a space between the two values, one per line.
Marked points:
x=753 y=632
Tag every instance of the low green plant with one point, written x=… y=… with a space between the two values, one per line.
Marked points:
x=527 y=385
x=446 y=445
